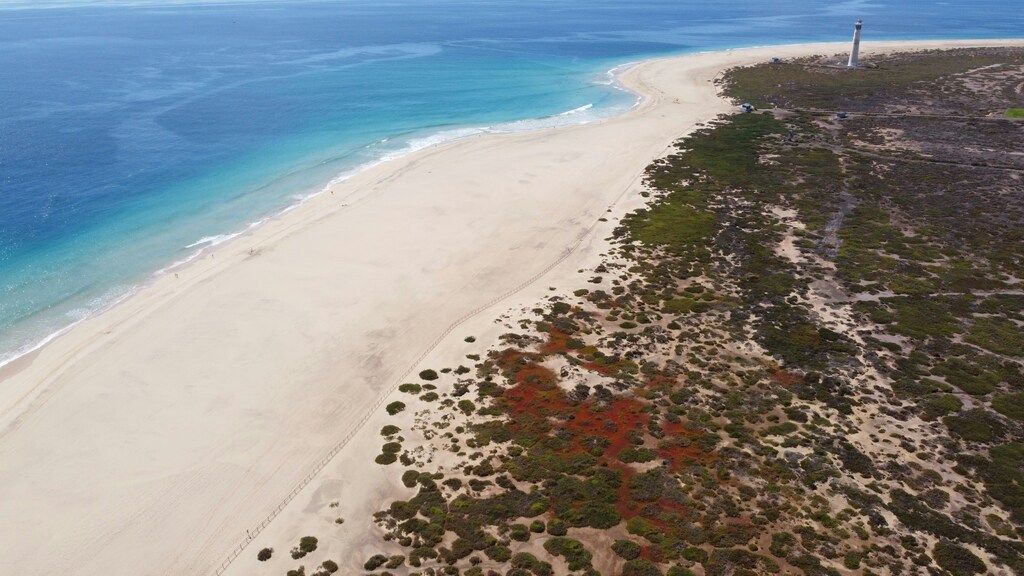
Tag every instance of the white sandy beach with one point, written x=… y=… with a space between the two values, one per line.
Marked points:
x=152 y=438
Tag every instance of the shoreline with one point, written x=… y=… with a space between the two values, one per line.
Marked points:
x=11 y=360
x=426 y=292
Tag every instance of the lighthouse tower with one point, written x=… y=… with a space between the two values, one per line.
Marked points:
x=855 y=51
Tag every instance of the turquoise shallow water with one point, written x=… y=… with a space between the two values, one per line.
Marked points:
x=132 y=136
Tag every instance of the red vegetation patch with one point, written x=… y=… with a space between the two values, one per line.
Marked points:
x=536 y=393
x=679 y=447
x=536 y=404
x=613 y=422
x=787 y=378
x=659 y=381
x=652 y=553
x=604 y=369
x=557 y=343
x=679 y=455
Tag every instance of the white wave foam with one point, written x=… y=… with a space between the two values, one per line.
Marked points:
x=77 y=315
x=212 y=240
x=19 y=352
x=580 y=115
x=575 y=111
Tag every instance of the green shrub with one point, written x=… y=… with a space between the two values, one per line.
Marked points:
x=557 y=527
x=466 y=407
x=999 y=335
x=940 y=405
x=409 y=478
x=329 y=566
x=956 y=559
x=640 y=567
x=429 y=397
x=631 y=454
x=967 y=376
x=519 y=532
x=694 y=554
x=307 y=544
x=392 y=448
x=375 y=561
x=410 y=388
x=626 y=549
x=498 y=553
x=537 y=526
x=783 y=429
x=265 y=554
x=576 y=555
x=600 y=515
x=1010 y=405
x=428 y=375
x=527 y=561
x=390 y=430
x=385 y=458
x=395 y=407
x=976 y=425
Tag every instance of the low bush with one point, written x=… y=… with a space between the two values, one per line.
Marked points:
x=265 y=554
x=640 y=567
x=307 y=544
x=976 y=425
x=375 y=561
x=956 y=559
x=519 y=532
x=409 y=478
x=575 y=554
x=395 y=407
x=498 y=553
x=527 y=561
x=631 y=455
x=428 y=375
x=557 y=527
x=1010 y=405
x=626 y=549
x=940 y=405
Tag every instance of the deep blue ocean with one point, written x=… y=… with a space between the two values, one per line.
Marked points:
x=134 y=134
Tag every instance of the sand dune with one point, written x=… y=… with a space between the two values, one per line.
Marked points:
x=151 y=438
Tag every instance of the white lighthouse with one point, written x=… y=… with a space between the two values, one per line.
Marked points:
x=855 y=50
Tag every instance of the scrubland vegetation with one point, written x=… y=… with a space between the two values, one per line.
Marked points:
x=805 y=355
